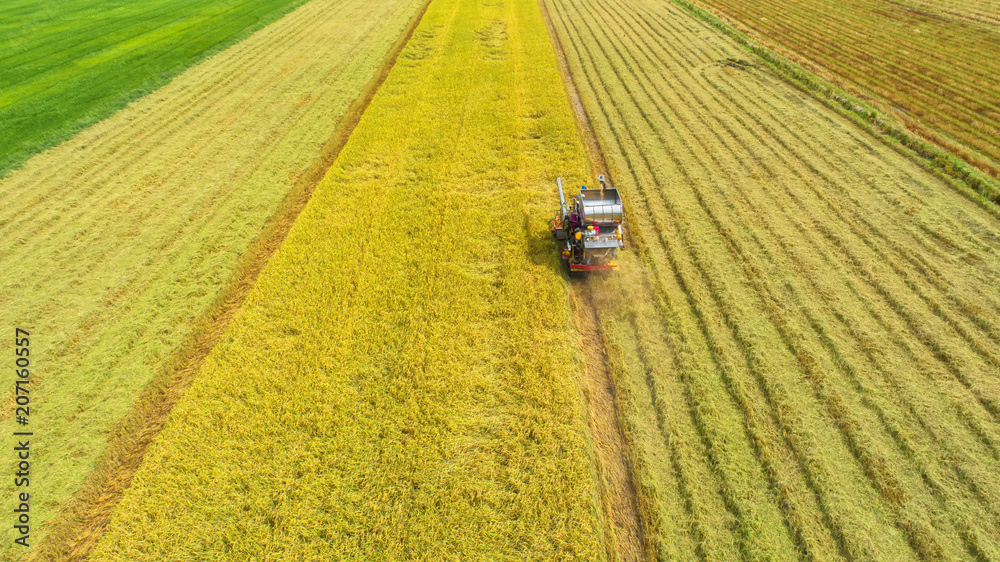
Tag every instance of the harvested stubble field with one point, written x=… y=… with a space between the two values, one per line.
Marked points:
x=806 y=342
x=402 y=381
x=66 y=65
x=931 y=63
x=115 y=244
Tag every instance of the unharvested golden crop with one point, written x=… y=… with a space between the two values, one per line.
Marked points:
x=401 y=381
x=808 y=350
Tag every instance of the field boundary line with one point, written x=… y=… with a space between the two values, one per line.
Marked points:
x=626 y=511
x=964 y=177
x=82 y=520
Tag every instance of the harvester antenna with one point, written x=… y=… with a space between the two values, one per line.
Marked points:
x=562 y=199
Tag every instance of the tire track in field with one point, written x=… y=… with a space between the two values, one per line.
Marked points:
x=81 y=523
x=713 y=553
x=841 y=166
x=626 y=517
x=619 y=498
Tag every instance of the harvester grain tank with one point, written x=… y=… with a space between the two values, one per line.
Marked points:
x=589 y=228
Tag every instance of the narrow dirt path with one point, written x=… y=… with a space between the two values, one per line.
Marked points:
x=617 y=479
x=81 y=521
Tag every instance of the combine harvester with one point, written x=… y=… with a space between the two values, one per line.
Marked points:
x=591 y=228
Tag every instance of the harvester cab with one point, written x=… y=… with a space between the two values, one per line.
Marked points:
x=589 y=228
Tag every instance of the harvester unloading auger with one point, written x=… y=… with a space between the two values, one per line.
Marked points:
x=590 y=228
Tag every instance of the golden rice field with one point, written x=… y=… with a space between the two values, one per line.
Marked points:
x=116 y=242
x=402 y=381
x=805 y=343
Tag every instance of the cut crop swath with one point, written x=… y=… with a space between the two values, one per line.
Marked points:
x=811 y=329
